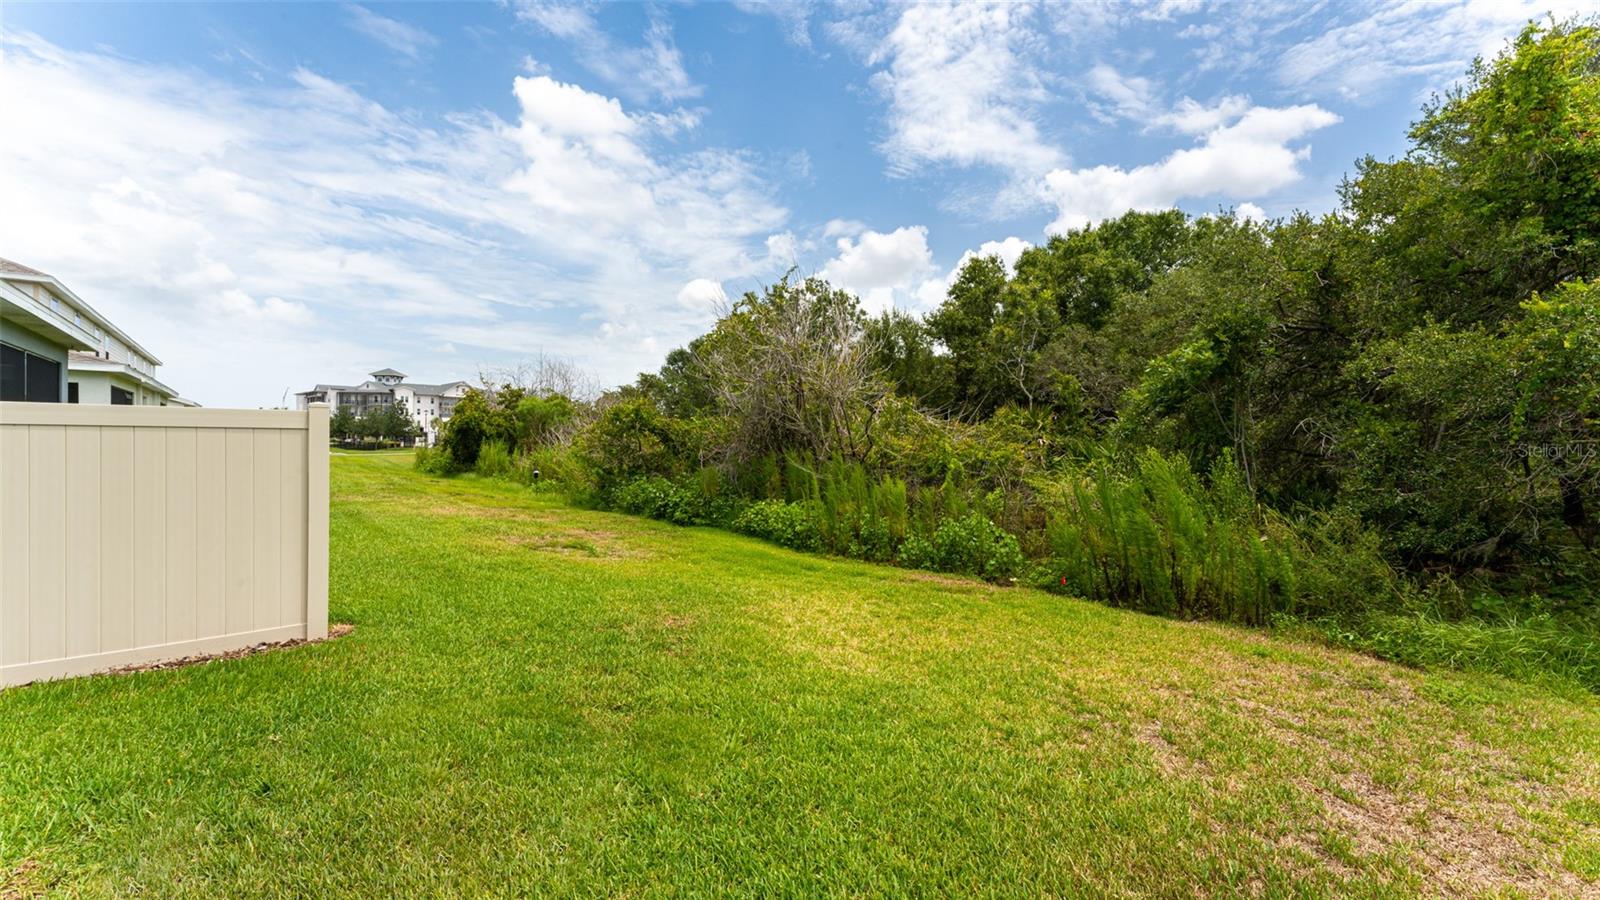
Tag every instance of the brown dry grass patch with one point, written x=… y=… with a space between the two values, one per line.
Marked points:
x=587 y=543
x=1465 y=817
x=23 y=882
x=964 y=584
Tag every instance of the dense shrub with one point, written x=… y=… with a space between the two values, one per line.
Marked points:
x=478 y=418
x=542 y=420
x=680 y=504
x=655 y=497
x=632 y=438
x=970 y=545
x=433 y=461
x=791 y=525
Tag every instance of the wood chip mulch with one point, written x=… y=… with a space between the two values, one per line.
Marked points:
x=336 y=630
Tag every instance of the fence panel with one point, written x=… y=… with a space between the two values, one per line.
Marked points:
x=130 y=535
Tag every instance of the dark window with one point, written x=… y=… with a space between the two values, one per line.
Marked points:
x=11 y=373
x=120 y=397
x=44 y=380
x=25 y=376
x=72 y=392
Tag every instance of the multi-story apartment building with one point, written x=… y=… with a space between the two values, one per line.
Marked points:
x=56 y=348
x=427 y=404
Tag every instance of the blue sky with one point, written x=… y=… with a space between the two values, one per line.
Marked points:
x=273 y=195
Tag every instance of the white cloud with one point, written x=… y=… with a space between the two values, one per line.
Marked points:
x=1206 y=32
x=234 y=303
x=1130 y=97
x=1435 y=41
x=1166 y=10
x=961 y=89
x=1135 y=98
x=267 y=237
x=783 y=250
x=702 y=295
x=932 y=292
x=881 y=267
x=1191 y=117
x=1249 y=158
x=843 y=228
x=793 y=15
x=1009 y=251
x=406 y=40
x=1250 y=212
x=570 y=111
x=652 y=70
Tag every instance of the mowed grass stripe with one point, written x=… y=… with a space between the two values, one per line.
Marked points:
x=540 y=699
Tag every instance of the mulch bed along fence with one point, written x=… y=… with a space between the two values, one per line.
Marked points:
x=336 y=630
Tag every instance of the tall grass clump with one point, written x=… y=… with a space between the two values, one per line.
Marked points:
x=1155 y=537
x=760 y=478
x=860 y=516
x=432 y=461
x=494 y=460
x=1539 y=647
x=553 y=468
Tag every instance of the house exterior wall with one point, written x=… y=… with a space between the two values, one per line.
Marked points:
x=95 y=388
x=104 y=342
x=16 y=335
x=130 y=535
x=60 y=313
x=68 y=323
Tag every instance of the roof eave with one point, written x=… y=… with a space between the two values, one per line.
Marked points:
x=88 y=311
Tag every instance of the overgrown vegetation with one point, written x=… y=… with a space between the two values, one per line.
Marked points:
x=1380 y=416
x=572 y=703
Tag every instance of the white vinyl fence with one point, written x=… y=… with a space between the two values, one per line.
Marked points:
x=133 y=534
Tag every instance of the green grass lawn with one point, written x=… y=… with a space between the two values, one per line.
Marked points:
x=538 y=699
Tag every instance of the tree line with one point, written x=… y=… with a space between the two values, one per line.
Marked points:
x=386 y=422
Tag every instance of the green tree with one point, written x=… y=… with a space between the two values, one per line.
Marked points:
x=1479 y=444
x=476 y=418
x=1085 y=272
x=543 y=420
x=1015 y=370
x=902 y=350
x=342 y=424
x=1556 y=419
x=792 y=371
x=629 y=438
x=1499 y=196
x=685 y=386
x=394 y=423
x=962 y=324
x=369 y=425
